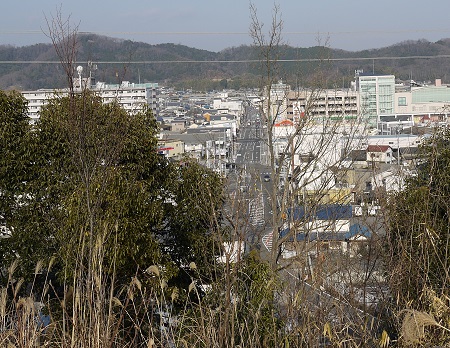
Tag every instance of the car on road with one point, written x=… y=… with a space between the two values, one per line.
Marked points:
x=243 y=188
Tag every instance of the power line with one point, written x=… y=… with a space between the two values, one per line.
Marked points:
x=445 y=56
x=358 y=32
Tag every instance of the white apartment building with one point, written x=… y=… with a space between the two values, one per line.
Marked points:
x=37 y=99
x=132 y=97
x=331 y=104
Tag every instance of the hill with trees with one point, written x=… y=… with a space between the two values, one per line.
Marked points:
x=37 y=66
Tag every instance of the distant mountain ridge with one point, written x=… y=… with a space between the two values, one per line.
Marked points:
x=124 y=60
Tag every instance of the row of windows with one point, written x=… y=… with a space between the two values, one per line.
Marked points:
x=293 y=100
x=123 y=92
x=330 y=105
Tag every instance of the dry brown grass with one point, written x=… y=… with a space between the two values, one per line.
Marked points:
x=414 y=324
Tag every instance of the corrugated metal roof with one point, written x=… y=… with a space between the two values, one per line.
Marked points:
x=322 y=212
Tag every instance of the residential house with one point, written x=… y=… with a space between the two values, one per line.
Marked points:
x=379 y=153
x=178 y=124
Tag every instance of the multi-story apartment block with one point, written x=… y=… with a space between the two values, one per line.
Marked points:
x=132 y=97
x=334 y=104
x=37 y=99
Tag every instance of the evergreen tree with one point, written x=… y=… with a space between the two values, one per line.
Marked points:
x=98 y=185
x=14 y=162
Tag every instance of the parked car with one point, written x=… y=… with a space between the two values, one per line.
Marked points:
x=243 y=188
x=266 y=177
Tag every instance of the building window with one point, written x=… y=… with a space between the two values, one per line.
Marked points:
x=402 y=101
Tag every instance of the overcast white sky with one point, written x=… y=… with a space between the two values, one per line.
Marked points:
x=214 y=25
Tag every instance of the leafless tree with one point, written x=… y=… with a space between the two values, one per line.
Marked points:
x=64 y=37
x=311 y=167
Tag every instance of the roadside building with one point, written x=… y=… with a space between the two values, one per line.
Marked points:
x=275 y=101
x=178 y=124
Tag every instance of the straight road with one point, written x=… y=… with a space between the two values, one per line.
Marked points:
x=250 y=163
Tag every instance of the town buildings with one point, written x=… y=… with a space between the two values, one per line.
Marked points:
x=376 y=111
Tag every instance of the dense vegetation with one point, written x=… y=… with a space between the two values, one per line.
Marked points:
x=85 y=191
x=418 y=242
x=154 y=65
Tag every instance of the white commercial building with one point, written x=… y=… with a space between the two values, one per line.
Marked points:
x=376 y=96
x=227 y=104
x=424 y=104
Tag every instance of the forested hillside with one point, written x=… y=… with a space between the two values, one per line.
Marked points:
x=119 y=60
